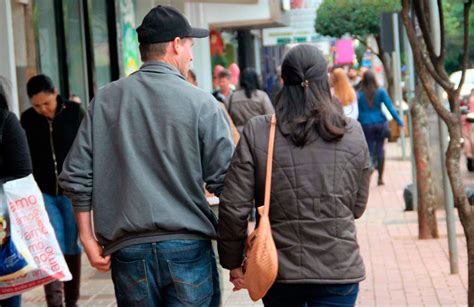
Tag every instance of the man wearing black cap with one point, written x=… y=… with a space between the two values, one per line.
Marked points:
x=146 y=148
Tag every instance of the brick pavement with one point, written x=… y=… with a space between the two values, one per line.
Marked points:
x=401 y=270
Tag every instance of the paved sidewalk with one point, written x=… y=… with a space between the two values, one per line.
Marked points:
x=401 y=270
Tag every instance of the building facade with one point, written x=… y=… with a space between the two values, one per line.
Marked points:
x=85 y=44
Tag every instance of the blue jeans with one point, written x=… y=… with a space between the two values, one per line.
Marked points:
x=14 y=301
x=166 y=273
x=311 y=295
x=61 y=216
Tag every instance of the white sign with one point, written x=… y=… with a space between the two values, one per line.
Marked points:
x=300 y=29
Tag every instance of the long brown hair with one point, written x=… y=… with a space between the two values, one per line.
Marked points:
x=304 y=104
x=369 y=87
x=342 y=88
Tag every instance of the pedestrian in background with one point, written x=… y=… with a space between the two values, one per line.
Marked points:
x=320 y=184
x=344 y=93
x=225 y=86
x=15 y=161
x=146 y=149
x=51 y=126
x=370 y=98
x=249 y=101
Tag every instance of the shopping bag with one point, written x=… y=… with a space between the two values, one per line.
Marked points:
x=29 y=223
x=15 y=259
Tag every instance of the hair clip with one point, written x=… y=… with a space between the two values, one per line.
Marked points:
x=305 y=83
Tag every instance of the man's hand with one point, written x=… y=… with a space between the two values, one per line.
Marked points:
x=94 y=253
x=237 y=278
x=93 y=249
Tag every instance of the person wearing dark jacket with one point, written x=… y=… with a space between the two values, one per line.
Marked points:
x=51 y=126
x=15 y=161
x=249 y=101
x=320 y=184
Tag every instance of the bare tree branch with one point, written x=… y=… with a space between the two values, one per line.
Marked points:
x=442 y=30
x=467 y=7
x=419 y=59
x=447 y=86
x=420 y=12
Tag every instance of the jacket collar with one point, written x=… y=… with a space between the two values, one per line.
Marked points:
x=161 y=68
x=60 y=105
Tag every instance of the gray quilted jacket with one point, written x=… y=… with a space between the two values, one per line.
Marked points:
x=317 y=192
x=241 y=109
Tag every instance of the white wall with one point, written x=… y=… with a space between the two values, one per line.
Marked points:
x=217 y=13
x=201 y=50
x=7 y=54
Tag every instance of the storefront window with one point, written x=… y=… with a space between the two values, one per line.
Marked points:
x=47 y=42
x=100 y=41
x=75 y=45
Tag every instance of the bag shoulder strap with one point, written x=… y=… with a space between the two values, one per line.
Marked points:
x=230 y=102
x=268 y=176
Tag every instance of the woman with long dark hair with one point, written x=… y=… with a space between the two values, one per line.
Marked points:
x=249 y=101
x=320 y=183
x=370 y=98
x=15 y=161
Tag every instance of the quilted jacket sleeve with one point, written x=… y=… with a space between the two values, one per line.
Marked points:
x=236 y=202
x=364 y=183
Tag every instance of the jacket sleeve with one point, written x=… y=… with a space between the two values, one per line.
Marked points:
x=217 y=146
x=77 y=175
x=388 y=103
x=236 y=202
x=364 y=182
x=15 y=150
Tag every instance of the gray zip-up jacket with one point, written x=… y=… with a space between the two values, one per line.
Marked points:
x=145 y=150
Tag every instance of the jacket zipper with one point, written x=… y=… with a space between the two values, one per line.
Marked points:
x=50 y=122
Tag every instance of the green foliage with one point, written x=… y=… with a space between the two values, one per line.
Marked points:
x=453 y=22
x=354 y=17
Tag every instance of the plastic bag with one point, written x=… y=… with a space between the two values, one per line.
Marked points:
x=29 y=225
x=13 y=262
x=15 y=259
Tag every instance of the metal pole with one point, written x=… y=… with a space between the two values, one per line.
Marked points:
x=448 y=196
x=397 y=78
x=410 y=96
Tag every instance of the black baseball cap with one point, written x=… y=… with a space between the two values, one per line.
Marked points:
x=163 y=24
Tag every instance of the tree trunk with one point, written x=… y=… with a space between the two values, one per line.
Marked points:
x=386 y=67
x=470 y=260
x=427 y=224
x=465 y=212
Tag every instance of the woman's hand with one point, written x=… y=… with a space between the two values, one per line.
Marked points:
x=237 y=278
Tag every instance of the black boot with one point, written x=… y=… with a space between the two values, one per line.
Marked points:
x=72 y=287
x=54 y=294
x=380 y=168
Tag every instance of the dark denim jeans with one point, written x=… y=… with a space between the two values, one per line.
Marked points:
x=14 y=301
x=375 y=135
x=311 y=295
x=167 y=273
